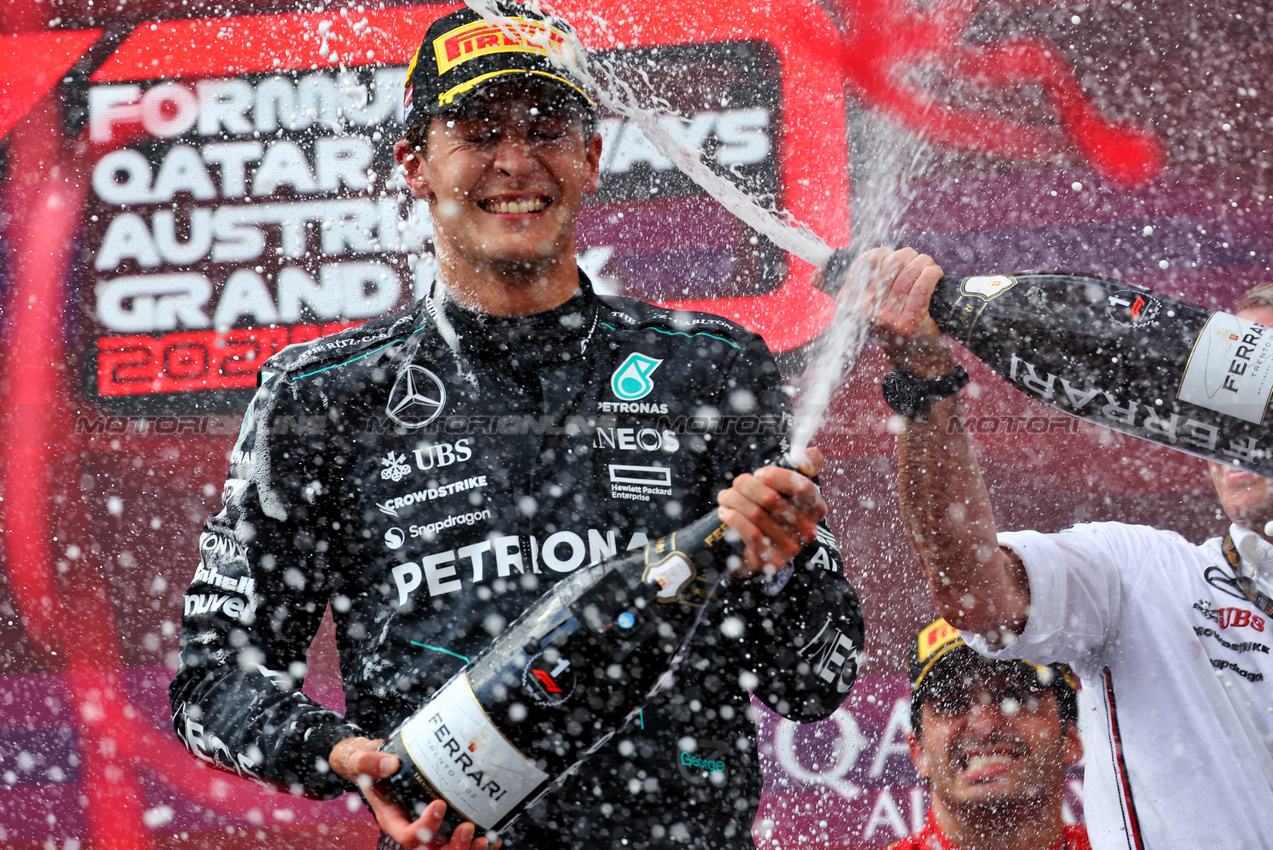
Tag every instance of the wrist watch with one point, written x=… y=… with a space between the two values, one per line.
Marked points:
x=910 y=395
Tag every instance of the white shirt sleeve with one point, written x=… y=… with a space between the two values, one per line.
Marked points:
x=1080 y=581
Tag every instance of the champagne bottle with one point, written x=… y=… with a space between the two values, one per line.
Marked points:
x=559 y=681
x=1122 y=357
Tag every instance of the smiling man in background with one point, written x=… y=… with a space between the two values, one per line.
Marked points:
x=993 y=739
x=1170 y=639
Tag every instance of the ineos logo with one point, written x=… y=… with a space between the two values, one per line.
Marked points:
x=417 y=398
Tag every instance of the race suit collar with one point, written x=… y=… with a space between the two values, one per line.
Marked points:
x=558 y=335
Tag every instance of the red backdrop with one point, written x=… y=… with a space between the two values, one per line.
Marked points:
x=1126 y=139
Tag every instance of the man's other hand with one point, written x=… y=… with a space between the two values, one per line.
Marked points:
x=360 y=761
x=776 y=511
x=894 y=288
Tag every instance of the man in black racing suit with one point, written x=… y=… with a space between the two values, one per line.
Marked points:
x=428 y=475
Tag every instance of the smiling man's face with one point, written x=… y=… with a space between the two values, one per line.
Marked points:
x=992 y=736
x=505 y=176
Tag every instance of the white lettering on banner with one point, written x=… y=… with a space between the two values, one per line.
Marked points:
x=742 y=136
x=894 y=741
x=238 y=233
x=392 y=506
x=563 y=551
x=885 y=814
x=237 y=107
x=1230 y=368
x=167 y=301
x=848 y=745
x=157 y=302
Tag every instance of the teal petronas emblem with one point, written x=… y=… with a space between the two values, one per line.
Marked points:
x=631 y=380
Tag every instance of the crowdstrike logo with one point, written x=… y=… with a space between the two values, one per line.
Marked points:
x=417 y=397
x=631 y=381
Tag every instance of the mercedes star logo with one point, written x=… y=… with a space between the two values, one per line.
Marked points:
x=417 y=398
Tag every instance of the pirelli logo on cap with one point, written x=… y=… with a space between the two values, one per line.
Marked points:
x=936 y=637
x=481 y=38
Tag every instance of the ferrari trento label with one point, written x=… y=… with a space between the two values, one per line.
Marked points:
x=974 y=294
x=462 y=754
x=987 y=286
x=1230 y=369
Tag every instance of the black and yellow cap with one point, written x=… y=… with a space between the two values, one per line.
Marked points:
x=463 y=52
x=939 y=639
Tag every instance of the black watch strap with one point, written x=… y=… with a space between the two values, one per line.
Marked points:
x=910 y=395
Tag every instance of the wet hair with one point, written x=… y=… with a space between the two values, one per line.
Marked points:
x=1067 y=706
x=1260 y=295
x=418 y=138
x=418 y=135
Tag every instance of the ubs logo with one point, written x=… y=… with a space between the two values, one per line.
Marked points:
x=417 y=397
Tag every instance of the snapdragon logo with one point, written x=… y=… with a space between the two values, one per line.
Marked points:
x=631 y=381
x=394 y=538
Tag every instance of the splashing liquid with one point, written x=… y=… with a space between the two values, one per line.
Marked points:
x=894 y=158
x=618 y=97
x=839 y=345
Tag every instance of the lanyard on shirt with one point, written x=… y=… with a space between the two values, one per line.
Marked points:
x=1257 y=597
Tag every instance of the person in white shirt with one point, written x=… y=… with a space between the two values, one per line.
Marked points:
x=1171 y=640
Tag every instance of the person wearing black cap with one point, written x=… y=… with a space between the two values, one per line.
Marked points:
x=993 y=739
x=1169 y=637
x=511 y=428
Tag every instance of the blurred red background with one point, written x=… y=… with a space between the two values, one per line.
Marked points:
x=1126 y=139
